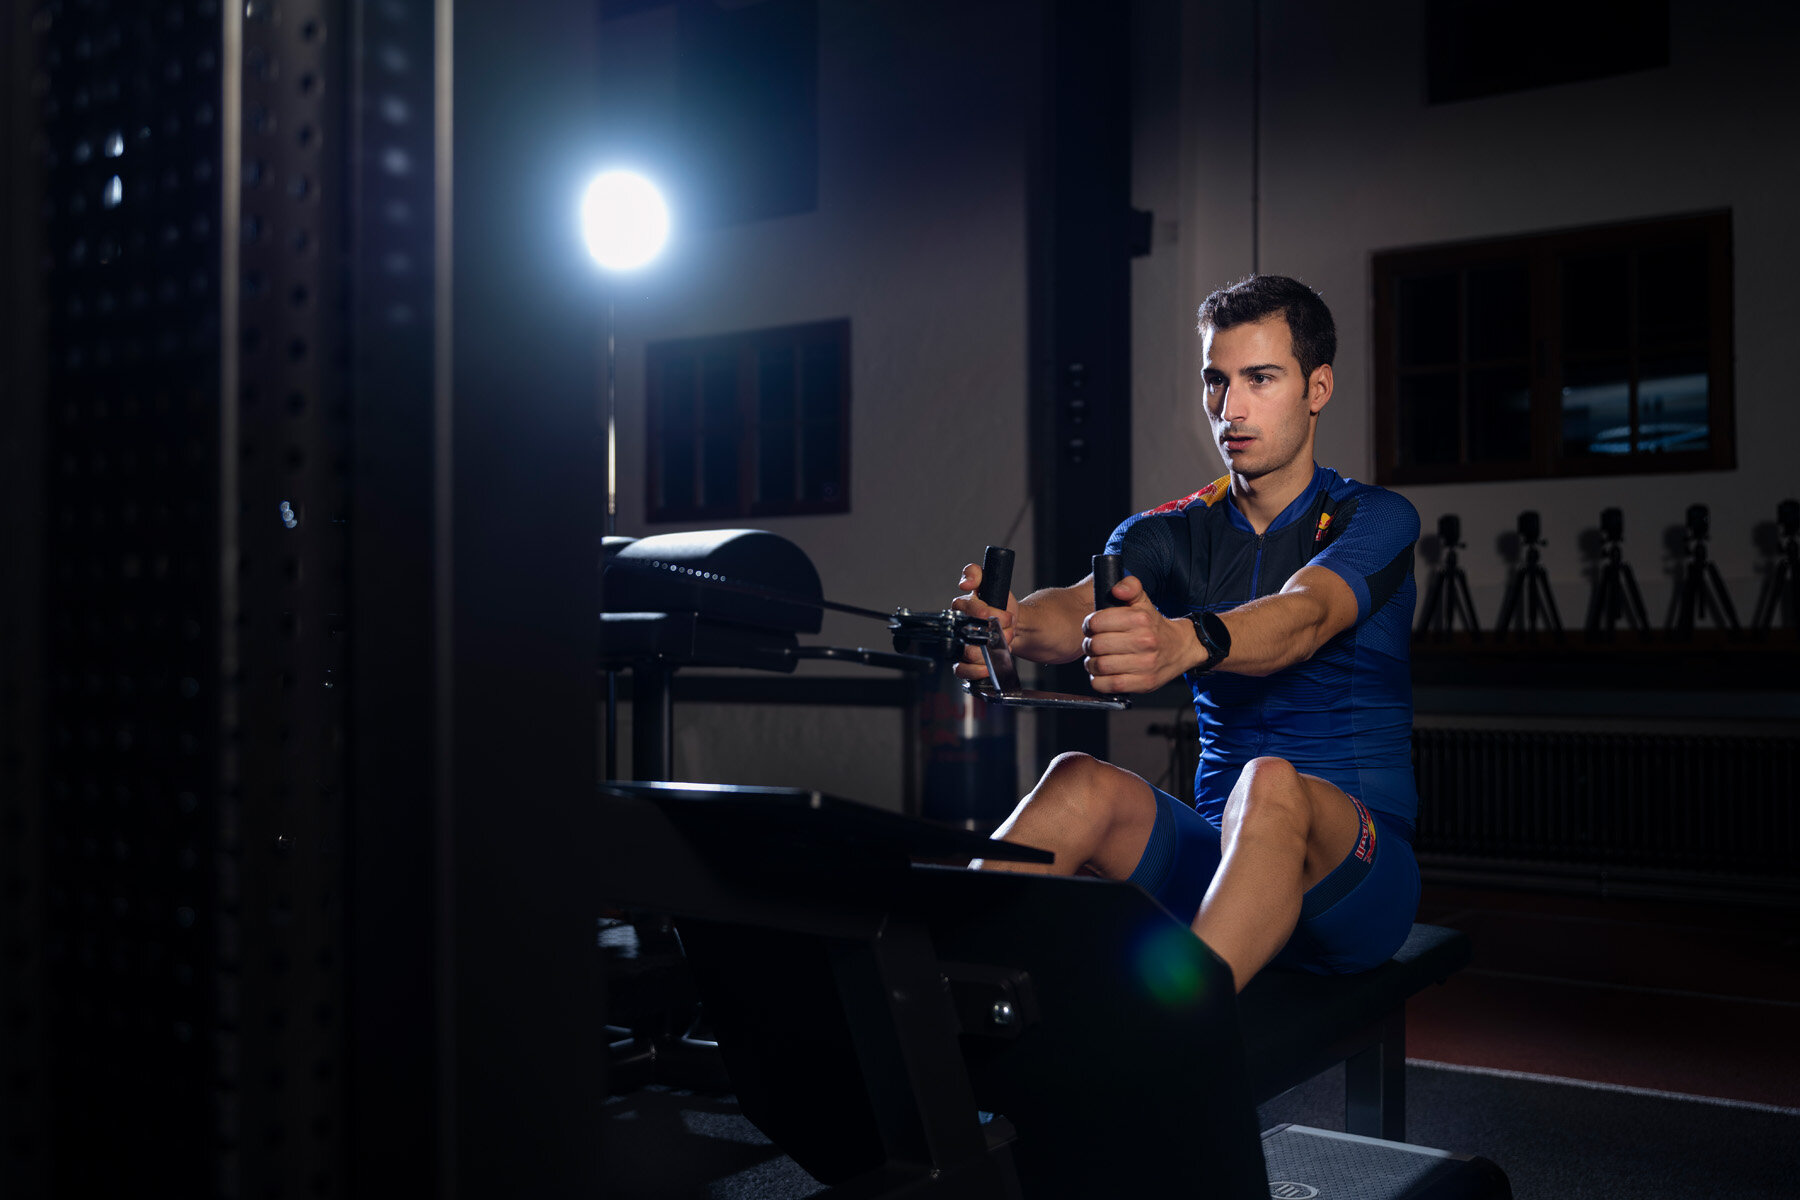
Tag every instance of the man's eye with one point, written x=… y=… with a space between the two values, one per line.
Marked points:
x=1261 y=379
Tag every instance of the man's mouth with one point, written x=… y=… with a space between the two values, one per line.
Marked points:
x=1235 y=442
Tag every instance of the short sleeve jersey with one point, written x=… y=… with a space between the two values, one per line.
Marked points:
x=1345 y=714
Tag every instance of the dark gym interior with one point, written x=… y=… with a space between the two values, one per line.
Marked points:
x=333 y=860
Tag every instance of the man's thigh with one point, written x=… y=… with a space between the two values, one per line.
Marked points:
x=1336 y=824
x=1357 y=912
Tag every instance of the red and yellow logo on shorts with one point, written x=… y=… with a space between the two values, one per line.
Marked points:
x=1365 y=836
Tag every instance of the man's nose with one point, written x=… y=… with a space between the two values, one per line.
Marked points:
x=1234 y=404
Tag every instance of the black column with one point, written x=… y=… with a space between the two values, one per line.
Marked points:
x=528 y=495
x=1080 y=321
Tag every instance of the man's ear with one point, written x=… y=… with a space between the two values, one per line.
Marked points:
x=1318 y=388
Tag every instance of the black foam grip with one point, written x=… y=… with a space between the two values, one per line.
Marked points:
x=1107 y=572
x=996 y=576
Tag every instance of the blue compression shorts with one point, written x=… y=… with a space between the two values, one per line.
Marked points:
x=1351 y=920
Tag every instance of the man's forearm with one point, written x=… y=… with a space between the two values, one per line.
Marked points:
x=1278 y=631
x=1048 y=626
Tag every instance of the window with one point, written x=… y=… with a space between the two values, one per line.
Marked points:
x=1588 y=352
x=750 y=424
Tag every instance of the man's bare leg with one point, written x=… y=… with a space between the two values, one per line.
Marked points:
x=1283 y=832
x=1088 y=813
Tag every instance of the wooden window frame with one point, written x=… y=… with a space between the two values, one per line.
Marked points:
x=747 y=423
x=1543 y=255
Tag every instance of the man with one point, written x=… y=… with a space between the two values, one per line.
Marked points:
x=1285 y=593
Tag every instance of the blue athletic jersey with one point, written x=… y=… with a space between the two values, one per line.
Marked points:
x=1345 y=714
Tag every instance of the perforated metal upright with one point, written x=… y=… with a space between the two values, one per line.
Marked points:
x=186 y=797
x=286 y=487
x=268 y=928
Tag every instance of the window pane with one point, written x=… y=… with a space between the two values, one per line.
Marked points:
x=821 y=386
x=1596 y=408
x=1673 y=299
x=678 y=473
x=1500 y=415
x=719 y=469
x=1672 y=394
x=718 y=390
x=775 y=385
x=820 y=464
x=1428 y=420
x=1596 y=305
x=775 y=462
x=1499 y=313
x=677 y=396
x=1428 y=320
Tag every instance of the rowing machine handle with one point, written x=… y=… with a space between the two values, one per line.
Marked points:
x=996 y=576
x=1108 y=571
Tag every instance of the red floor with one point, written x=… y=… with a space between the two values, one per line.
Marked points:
x=1703 y=1000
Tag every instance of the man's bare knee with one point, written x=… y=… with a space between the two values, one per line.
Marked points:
x=1269 y=794
x=1112 y=808
x=1077 y=784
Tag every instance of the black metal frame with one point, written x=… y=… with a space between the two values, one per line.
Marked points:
x=526 y=481
x=398 y=881
x=1081 y=230
x=25 y=1117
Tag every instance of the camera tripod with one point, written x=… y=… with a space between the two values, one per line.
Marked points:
x=1615 y=591
x=1781 y=590
x=1532 y=584
x=1701 y=593
x=1448 y=596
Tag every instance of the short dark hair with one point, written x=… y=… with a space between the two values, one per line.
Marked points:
x=1257 y=296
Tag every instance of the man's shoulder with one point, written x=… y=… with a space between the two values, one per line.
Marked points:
x=1168 y=525
x=1373 y=504
x=1203 y=498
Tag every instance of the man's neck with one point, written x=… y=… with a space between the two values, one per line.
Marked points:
x=1261 y=500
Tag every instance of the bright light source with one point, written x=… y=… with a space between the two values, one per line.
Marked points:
x=624 y=220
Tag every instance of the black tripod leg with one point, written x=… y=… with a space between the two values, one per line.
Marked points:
x=1460 y=601
x=1601 y=601
x=1429 y=617
x=1542 y=579
x=1634 y=606
x=1764 y=616
x=1509 y=602
x=1690 y=585
x=1721 y=597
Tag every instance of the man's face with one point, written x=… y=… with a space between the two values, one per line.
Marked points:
x=1258 y=404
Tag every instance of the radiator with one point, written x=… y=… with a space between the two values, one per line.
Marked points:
x=1706 y=806
x=1655 y=813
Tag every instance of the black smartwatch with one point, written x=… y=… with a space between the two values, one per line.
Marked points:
x=1214 y=637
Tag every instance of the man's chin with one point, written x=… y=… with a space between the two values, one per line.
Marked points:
x=1245 y=467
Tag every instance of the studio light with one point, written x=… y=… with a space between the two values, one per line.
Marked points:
x=625 y=224
x=624 y=220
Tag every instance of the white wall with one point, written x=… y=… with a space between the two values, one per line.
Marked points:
x=1354 y=162
x=918 y=238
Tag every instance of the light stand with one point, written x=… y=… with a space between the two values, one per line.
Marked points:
x=625 y=224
